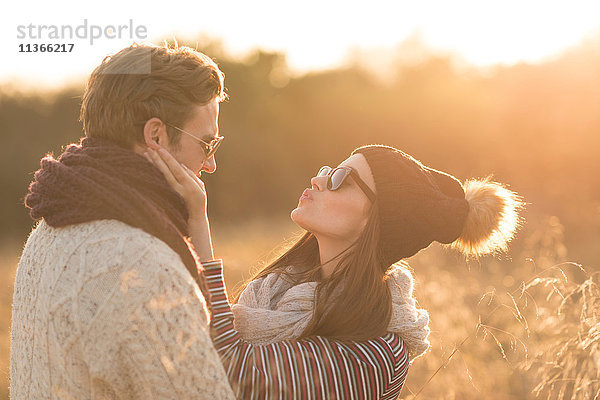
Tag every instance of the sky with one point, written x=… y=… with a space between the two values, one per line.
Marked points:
x=313 y=34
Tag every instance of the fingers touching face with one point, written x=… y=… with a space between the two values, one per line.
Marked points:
x=175 y=172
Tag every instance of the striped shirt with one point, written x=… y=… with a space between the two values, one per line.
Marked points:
x=310 y=368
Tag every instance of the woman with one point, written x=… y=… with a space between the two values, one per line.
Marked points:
x=334 y=316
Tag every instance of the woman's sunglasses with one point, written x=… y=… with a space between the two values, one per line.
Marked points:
x=337 y=176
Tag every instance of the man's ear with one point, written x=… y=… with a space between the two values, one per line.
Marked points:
x=155 y=133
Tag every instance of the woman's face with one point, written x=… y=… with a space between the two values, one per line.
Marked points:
x=339 y=214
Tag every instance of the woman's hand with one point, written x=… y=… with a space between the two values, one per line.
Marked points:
x=191 y=188
x=181 y=179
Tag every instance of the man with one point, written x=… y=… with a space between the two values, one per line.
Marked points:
x=108 y=301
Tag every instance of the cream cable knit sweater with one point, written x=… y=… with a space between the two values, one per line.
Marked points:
x=102 y=310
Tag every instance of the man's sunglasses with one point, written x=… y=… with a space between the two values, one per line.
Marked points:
x=337 y=176
x=209 y=148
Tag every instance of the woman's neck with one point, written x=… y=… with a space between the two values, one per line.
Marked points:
x=329 y=249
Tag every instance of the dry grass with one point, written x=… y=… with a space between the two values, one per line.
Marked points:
x=520 y=328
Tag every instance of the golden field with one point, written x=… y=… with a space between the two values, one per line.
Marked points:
x=510 y=327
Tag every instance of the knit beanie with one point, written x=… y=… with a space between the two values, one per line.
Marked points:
x=417 y=204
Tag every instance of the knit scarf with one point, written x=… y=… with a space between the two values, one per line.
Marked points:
x=272 y=309
x=98 y=179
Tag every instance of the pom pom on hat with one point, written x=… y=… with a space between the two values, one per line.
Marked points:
x=493 y=218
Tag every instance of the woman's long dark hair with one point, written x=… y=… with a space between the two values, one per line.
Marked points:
x=354 y=302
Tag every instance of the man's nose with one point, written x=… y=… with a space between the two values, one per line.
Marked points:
x=210 y=165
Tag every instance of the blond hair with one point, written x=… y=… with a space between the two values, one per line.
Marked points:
x=145 y=81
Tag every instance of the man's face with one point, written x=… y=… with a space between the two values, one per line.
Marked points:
x=203 y=124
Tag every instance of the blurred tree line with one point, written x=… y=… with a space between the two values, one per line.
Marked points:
x=535 y=127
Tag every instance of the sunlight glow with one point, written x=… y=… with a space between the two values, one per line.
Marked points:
x=314 y=35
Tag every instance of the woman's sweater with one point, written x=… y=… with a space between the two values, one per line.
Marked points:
x=312 y=368
x=102 y=310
